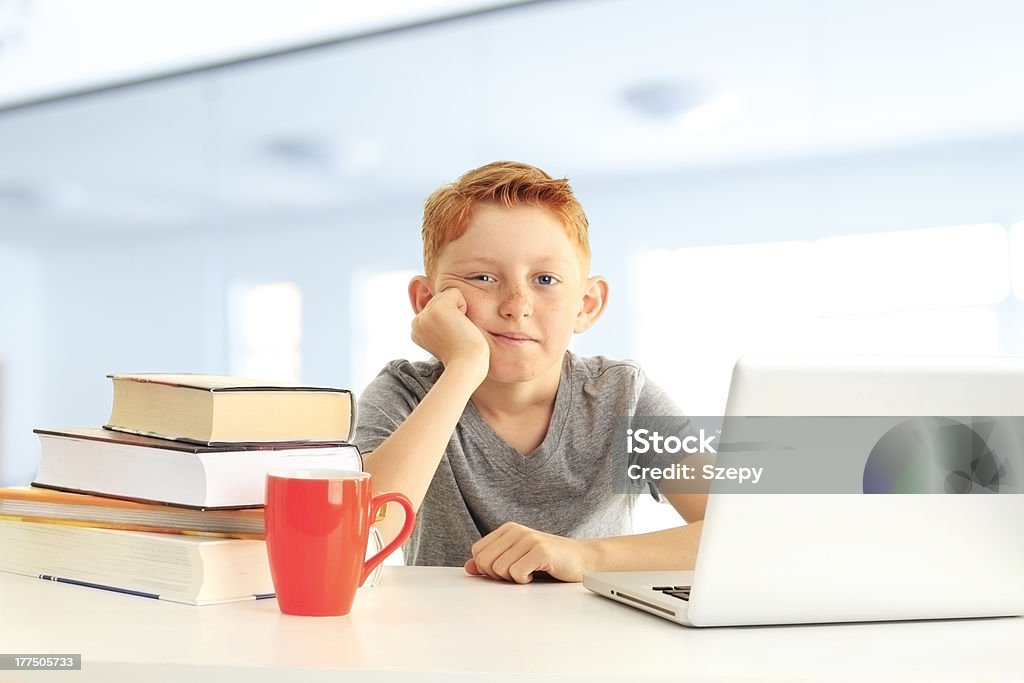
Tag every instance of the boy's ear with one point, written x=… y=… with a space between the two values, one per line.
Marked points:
x=420 y=293
x=595 y=298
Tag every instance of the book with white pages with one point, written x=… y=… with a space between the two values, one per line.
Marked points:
x=109 y=463
x=194 y=570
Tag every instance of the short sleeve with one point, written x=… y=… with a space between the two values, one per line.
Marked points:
x=653 y=400
x=385 y=403
x=657 y=411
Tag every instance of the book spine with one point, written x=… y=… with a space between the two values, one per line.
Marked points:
x=142 y=594
x=87 y=584
x=352 y=422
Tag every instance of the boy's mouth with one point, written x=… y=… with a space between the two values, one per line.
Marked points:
x=512 y=338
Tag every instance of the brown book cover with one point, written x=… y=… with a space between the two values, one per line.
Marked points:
x=54 y=506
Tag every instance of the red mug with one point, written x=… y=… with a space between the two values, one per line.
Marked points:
x=317 y=526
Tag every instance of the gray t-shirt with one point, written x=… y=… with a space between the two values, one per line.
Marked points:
x=563 y=487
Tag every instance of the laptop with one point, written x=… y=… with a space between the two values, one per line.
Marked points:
x=783 y=558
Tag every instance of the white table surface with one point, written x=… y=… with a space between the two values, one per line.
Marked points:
x=431 y=624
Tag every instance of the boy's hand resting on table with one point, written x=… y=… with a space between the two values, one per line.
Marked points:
x=513 y=552
x=442 y=329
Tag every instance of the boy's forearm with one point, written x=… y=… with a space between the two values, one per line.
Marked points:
x=406 y=460
x=674 y=548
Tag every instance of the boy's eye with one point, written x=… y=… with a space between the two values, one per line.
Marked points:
x=546 y=279
x=482 y=278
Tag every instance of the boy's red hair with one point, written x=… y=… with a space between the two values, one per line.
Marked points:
x=447 y=211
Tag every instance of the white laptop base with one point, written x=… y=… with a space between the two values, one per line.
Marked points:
x=821 y=558
x=648 y=591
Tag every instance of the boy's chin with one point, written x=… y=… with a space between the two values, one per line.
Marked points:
x=515 y=373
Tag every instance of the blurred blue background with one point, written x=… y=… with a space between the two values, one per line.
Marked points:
x=790 y=176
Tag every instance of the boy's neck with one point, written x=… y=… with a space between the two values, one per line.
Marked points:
x=501 y=399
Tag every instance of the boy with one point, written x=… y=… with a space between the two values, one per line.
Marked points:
x=504 y=443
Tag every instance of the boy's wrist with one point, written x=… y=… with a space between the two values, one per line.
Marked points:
x=470 y=369
x=593 y=552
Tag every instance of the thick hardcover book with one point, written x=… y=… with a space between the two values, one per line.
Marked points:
x=108 y=463
x=195 y=570
x=217 y=409
x=34 y=504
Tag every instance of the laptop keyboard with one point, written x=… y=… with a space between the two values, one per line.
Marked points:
x=681 y=592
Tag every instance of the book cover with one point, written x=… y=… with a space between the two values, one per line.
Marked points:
x=54 y=506
x=105 y=435
x=219 y=382
x=218 y=409
x=107 y=463
x=193 y=570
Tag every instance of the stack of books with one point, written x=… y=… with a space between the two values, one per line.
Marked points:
x=166 y=500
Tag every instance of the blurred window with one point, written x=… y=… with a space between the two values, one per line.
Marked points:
x=1017 y=259
x=383 y=317
x=927 y=291
x=266 y=331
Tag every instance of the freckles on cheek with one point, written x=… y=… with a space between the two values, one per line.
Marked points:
x=560 y=308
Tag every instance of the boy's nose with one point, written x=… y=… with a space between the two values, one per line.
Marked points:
x=515 y=305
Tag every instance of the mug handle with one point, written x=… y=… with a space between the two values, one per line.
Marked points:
x=410 y=520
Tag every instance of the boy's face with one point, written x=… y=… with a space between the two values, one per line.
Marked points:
x=524 y=287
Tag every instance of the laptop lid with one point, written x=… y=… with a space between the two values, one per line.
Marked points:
x=771 y=558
